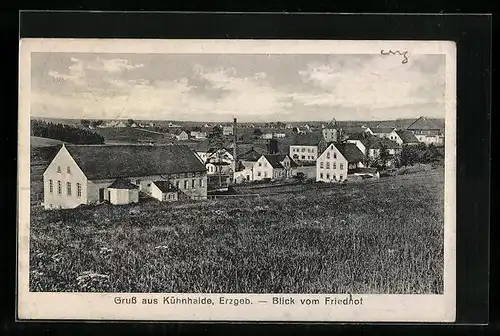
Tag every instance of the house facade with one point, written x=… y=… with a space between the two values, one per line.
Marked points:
x=273 y=166
x=183 y=136
x=336 y=160
x=426 y=131
x=164 y=191
x=385 y=132
x=247 y=160
x=83 y=174
x=227 y=130
x=405 y=137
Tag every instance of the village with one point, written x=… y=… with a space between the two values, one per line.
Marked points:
x=202 y=161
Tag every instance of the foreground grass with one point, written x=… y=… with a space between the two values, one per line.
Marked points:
x=383 y=237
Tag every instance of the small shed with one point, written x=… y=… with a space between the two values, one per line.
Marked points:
x=122 y=191
x=164 y=191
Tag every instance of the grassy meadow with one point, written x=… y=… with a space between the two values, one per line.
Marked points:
x=380 y=236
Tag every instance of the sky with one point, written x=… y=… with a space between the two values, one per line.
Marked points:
x=250 y=87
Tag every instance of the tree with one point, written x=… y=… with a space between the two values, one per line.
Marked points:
x=257 y=131
x=383 y=157
x=130 y=122
x=96 y=123
x=85 y=123
x=216 y=141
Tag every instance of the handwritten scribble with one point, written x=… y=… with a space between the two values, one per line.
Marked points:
x=397 y=52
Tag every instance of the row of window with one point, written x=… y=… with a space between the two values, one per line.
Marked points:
x=309 y=150
x=334 y=165
x=169 y=197
x=186 y=184
x=68 y=188
x=328 y=176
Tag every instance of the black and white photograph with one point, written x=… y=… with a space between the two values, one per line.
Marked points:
x=263 y=177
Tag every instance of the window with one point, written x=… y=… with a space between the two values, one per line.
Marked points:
x=78 y=190
x=303 y=157
x=334 y=155
x=59 y=191
x=138 y=182
x=265 y=174
x=303 y=149
x=265 y=164
x=328 y=155
x=341 y=177
x=201 y=183
x=328 y=165
x=51 y=186
x=68 y=188
x=192 y=183
x=185 y=184
x=321 y=165
x=341 y=166
x=260 y=164
x=68 y=170
x=327 y=176
x=258 y=173
x=178 y=184
x=320 y=175
x=334 y=165
x=59 y=169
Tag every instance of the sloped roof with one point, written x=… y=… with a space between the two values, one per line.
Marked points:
x=123 y=184
x=276 y=159
x=362 y=136
x=251 y=155
x=114 y=161
x=375 y=142
x=379 y=130
x=165 y=186
x=423 y=123
x=407 y=136
x=351 y=152
x=308 y=139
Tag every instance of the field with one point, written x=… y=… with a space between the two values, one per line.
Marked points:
x=380 y=236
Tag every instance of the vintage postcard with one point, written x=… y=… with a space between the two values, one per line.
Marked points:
x=237 y=180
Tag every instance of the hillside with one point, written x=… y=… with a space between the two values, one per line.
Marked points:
x=36 y=142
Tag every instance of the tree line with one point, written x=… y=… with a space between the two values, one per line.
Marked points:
x=66 y=133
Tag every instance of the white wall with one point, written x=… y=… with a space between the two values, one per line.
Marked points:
x=331 y=166
x=262 y=169
x=63 y=160
x=303 y=152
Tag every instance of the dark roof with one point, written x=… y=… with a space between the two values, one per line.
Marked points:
x=276 y=159
x=308 y=139
x=375 y=142
x=423 y=123
x=407 y=136
x=123 y=184
x=359 y=136
x=351 y=152
x=353 y=129
x=165 y=186
x=382 y=129
x=251 y=155
x=113 y=161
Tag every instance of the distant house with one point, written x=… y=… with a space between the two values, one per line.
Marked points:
x=227 y=130
x=346 y=131
x=133 y=125
x=335 y=162
x=278 y=135
x=85 y=174
x=247 y=161
x=215 y=159
x=182 y=136
x=273 y=166
x=329 y=132
x=426 y=131
x=172 y=125
x=267 y=136
x=198 y=135
x=304 y=148
x=165 y=191
x=385 y=132
x=406 y=138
